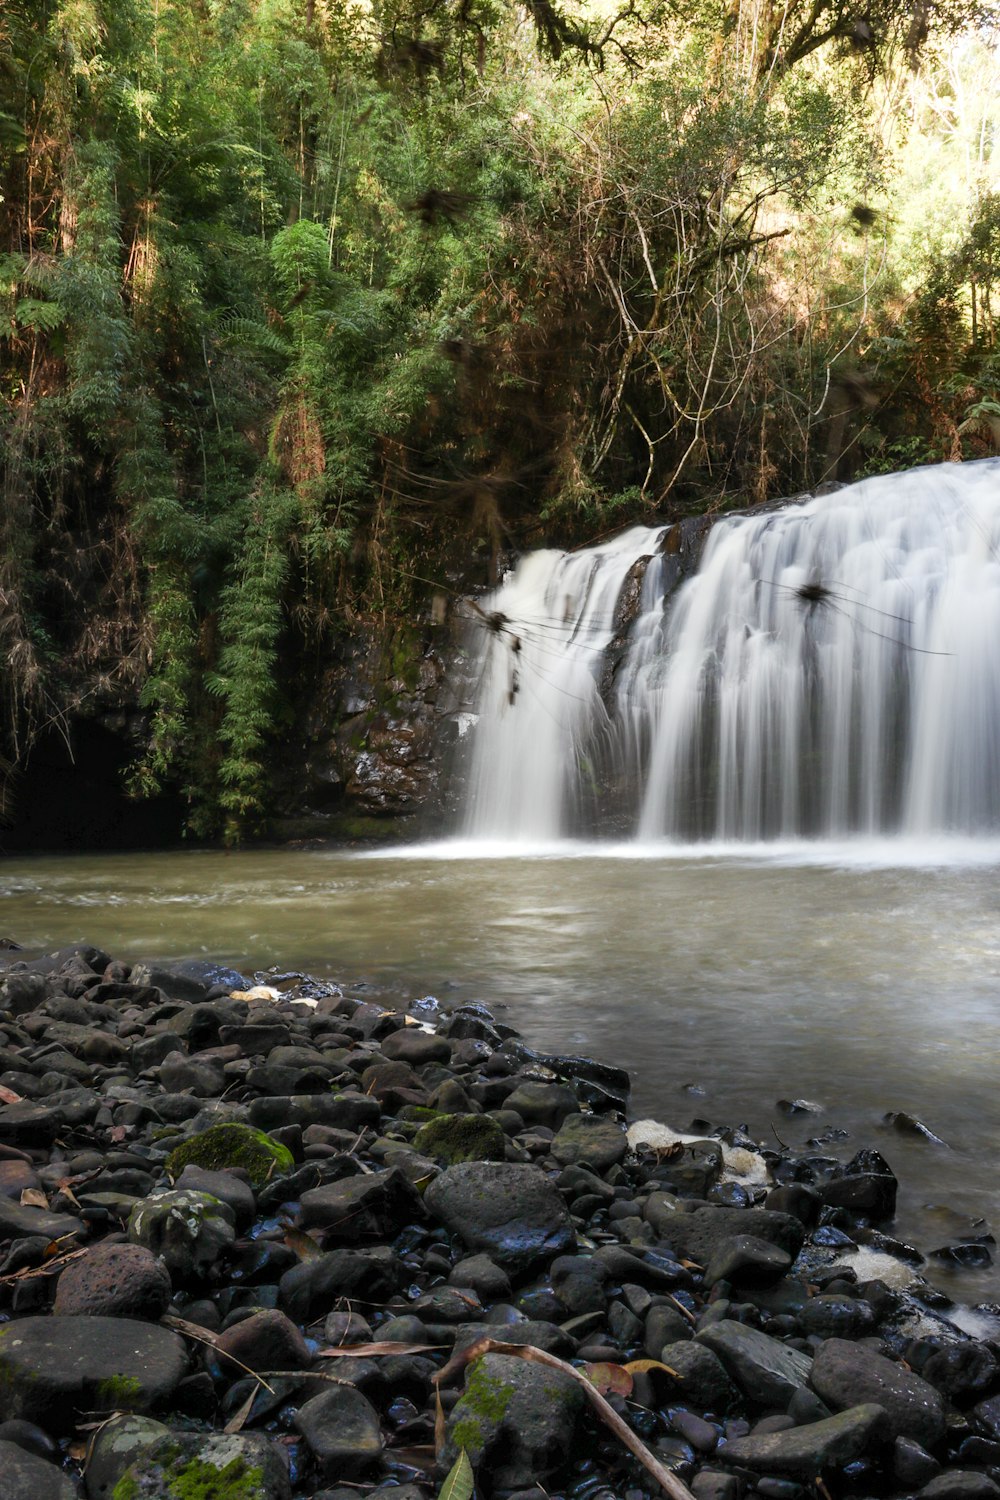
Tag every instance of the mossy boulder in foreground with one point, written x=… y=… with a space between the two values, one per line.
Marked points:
x=199 y=1466
x=222 y=1147
x=515 y=1420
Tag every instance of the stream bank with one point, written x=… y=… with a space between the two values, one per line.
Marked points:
x=278 y=1208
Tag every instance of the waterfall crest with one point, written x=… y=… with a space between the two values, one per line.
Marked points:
x=832 y=667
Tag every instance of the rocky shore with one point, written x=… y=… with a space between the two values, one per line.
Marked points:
x=271 y=1240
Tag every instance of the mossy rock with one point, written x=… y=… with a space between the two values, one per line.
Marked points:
x=516 y=1420
x=185 y=1466
x=456 y=1138
x=222 y=1147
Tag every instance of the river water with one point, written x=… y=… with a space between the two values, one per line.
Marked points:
x=862 y=976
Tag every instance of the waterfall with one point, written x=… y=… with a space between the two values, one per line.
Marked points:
x=831 y=667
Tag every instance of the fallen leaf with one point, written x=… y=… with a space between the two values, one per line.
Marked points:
x=643 y=1367
x=235 y=1423
x=7 y=1096
x=460 y=1482
x=609 y=1379
x=33 y=1198
x=305 y=1247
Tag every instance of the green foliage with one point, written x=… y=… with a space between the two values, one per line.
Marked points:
x=301 y=303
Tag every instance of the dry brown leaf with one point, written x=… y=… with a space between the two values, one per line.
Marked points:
x=7 y=1096
x=305 y=1247
x=609 y=1379
x=235 y=1423
x=33 y=1198
x=643 y=1367
x=440 y=1421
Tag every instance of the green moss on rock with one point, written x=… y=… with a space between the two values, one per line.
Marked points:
x=121 y=1393
x=456 y=1138
x=483 y=1406
x=197 y=1480
x=222 y=1147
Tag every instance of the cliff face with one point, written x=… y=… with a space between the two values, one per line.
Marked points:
x=366 y=758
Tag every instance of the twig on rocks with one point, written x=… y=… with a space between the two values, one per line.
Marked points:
x=685 y=1312
x=203 y=1336
x=47 y=1268
x=671 y=1485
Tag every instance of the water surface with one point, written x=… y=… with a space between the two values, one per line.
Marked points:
x=863 y=976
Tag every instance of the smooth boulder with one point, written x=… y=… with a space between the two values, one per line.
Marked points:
x=512 y=1212
x=58 y=1370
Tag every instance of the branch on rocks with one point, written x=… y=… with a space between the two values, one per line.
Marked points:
x=669 y=1483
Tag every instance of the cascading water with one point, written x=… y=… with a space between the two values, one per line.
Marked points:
x=832 y=667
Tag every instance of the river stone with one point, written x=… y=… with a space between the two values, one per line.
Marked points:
x=183 y=1465
x=342 y=1430
x=116 y=1281
x=310 y=1290
x=513 y=1212
x=594 y=1140
x=847 y=1374
x=960 y=1484
x=700 y=1376
x=267 y=1340
x=866 y=1185
x=543 y=1103
x=747 y=1261
x=191 y=979
x=456 y=1138
x=832 y=1315
x=804 y=1452
x=410 y=1044
x=19 y=1220
x=960 y=1371
x=55 y=1369
x=25 y=1476
x=350 y=1110
x=767 y=1371
x=515 y=1420
x=116 y=1445
x=696 y=1236
x=227 y=1186
x=373 y=1207
x=187 y=1230
x=202 y=1077
x=30 y=1124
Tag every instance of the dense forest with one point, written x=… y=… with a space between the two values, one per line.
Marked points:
x=314 y=309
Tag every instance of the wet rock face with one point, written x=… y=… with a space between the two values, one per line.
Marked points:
x=356 y=1202
x=370 y=748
